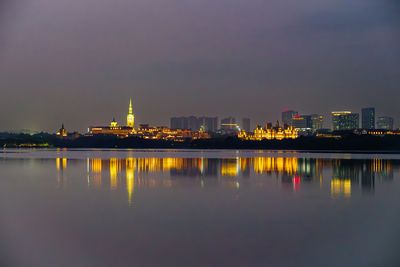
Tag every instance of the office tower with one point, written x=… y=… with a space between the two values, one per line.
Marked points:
x=209 y=124
x=385 y=123
x=302 y=122
x=287 y=116
x=179 y=123
x=228 y=124
x=368 y=118
x=345 y=120
x=246 y=124
x=193 y=123
x=317 y=122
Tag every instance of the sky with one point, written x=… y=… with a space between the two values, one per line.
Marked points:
x=79 y=61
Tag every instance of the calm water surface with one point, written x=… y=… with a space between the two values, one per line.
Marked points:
x=198 y=208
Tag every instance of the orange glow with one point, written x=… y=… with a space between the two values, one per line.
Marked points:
x=115 y=168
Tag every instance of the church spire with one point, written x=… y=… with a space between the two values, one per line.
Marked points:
x=130 y=119
x=130 y=106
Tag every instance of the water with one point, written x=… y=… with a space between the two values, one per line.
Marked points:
x=198 y=208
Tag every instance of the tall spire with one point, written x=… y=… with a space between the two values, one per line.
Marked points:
x=130 y=119
x=130 y=106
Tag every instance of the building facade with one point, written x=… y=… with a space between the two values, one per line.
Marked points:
x=287 y=116
x=209 y=124
x=246 y=124
x=302 y=122
x=62 y=132
x=194 y=123
x=228 y=124
x=317 y=122
x=368 y=118
x=270 y=133
x=345 y=120
x=112 y=129
x=130 y=118
x=385 y=123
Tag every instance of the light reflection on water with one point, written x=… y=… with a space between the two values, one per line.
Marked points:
x=130 y=173
x=199 y=211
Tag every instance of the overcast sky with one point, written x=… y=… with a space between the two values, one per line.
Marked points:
x=79 y=61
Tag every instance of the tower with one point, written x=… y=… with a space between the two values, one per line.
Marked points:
x=130 y=119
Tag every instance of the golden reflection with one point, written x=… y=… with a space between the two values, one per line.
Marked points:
x=340 y=187
x=96 y=165
x=227 y=167
x=271 y=164
x=61 y=163
x=115 y=168
x=292 y=170
x=130 y=178
x=381 y=166
x=230 y=167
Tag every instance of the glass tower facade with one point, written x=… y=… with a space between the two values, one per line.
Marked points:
x=368 y=118
x=345 y=120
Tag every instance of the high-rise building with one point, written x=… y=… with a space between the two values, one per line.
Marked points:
x=246 y=124
x=209 y=124
x=194 y=123
x=345 y=120
x=229 y=124
x=385 y=123
x=368 y=118
x=287 y=116
x=317 y=121
x=303 y=122
x=177 y=123
x=130 y=119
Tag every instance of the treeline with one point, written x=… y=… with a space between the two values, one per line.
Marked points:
x=345 y=143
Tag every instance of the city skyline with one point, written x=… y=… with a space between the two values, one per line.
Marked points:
x=62 y=61
x=326 y=121
x=199 y=133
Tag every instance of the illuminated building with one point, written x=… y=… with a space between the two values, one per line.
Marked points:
x=157 y=133
x=113 y=129
x=148 y=132
x=270 y=133
x=62 y=132
x=385 y=123
x=287 y=116
x=209 y=124
x=229 y=126
x=368 y=118
x=130 y=118
x=317 y=121
x=345 y=120
x=302 y=122
x=377 y=132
